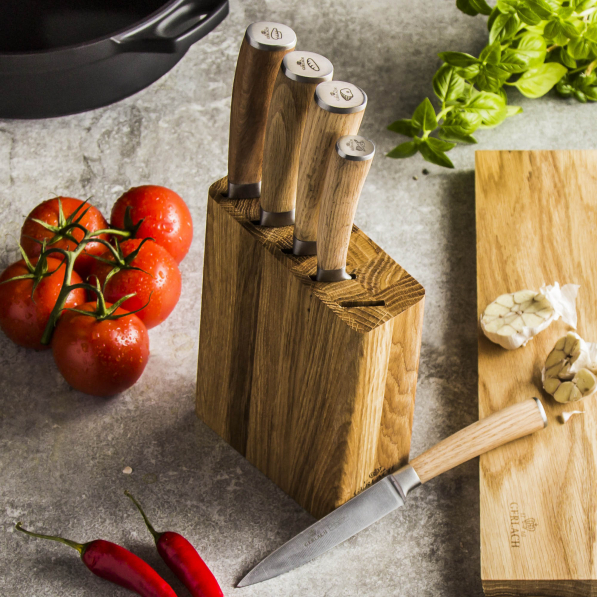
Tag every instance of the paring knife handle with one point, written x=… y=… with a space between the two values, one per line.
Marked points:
x=506 y=425
x=347 y=170
x=299 y=75
x=262 y=50
x=337 y=109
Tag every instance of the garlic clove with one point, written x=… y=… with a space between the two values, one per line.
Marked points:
x=566 y=375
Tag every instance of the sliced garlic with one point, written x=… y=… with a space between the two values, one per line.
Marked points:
x=569 y=372
x=513 y=319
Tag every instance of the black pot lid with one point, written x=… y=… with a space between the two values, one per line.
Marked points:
x=41 y=25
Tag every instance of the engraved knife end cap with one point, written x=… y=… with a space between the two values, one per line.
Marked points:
x=307 y=67
x=355 y=148
x=340 y=97
x=270 y=37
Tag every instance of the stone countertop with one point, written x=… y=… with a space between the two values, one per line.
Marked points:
x=62 y=453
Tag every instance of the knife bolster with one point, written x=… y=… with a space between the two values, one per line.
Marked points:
x=405 y=480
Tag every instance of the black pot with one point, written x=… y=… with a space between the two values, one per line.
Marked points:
x=60 y=57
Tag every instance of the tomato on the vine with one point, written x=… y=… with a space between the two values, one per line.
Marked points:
x=32 y=233
x=23 y=317
x=100 y=357
x=158 y=286
x=166 y=217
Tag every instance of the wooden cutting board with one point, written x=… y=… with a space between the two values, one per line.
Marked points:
x=537 y=223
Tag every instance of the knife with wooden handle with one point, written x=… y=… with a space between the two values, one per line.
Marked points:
x=385 y=496
x=348 y=167
x=295 y=85
x=264 y=46
x=337 y=109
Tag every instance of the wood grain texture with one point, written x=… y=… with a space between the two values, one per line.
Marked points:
x=322 y=130
x=286 y=120
x=341 y=191
x=322 y=399
x=254 y=78
x=506 y=425
x=536 y=221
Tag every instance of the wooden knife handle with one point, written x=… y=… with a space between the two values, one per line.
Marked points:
x=348 y=167
x=323 y=128
x=258 y=64
x=294 y=88
x=503 y=426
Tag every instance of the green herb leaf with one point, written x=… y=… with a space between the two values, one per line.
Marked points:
x=513 y=111
x=435 y=156
x=504 y=27
x=467 y=122
x=491 y=54
x=404 y=127
x=540 y=8
x=404 y=150
x=467 y=8
x=579 y=48
x=527 y=15
x=538 y=81
x=565 y=58
x=458 y=59
x=455 y=133
x=447 y=84
x=489 y=106
x=424 y=117
x=481 y=6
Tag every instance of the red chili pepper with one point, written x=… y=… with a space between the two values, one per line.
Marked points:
x=116 y=564
x=182 y=558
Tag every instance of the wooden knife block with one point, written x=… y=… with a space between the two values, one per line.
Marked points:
x=313 y=383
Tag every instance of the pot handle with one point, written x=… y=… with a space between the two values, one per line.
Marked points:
x=174 y=30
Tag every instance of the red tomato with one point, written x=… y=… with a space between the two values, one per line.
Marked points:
x=101 y=358
x=24 y=319
x=166 y=217
x=48 y=212
x=159 y=279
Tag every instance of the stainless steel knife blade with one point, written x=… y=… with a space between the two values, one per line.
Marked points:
x=506 y=425
x=355 y=515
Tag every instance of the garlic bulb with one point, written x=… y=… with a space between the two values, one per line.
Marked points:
x=569 y=372
x=513 y=319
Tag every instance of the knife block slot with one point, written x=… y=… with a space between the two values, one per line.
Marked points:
x=313 y=383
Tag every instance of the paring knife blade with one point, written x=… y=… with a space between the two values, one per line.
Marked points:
x=506 y=425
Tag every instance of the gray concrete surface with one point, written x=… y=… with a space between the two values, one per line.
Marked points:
x=62 y=453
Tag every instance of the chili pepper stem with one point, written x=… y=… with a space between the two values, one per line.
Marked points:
x=155 y=534
x=80 y=547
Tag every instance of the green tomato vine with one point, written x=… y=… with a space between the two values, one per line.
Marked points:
x=534 y=45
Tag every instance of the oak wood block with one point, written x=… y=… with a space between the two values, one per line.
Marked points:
x=536 y=222
x=314 y=383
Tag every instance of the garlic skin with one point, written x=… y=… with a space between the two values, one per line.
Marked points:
x=569 y=371
x=513 y=319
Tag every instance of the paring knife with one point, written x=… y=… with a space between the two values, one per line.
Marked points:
x=261 y=53
x=295 y=85
x=348 y=167
x=386 y=495
x=337 y=109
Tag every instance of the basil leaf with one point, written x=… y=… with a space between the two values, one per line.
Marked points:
x=489 y=106
x=404 y=127
x=439 y=144
x=513 y=111
x=565 y=58
x=455 y=133
x=470 y=72
x=491 y=78
x=466 y=7
x=538 y=81
x=491 y=54
x=467 y=122
x=527 y=15
x=579 y=48
x=504 y=27
x=569 y=29
x=424 y=116
x=580 y=96
x=448 y=86
x=434 y=156
x=404 y=150
x=540 y=8
x=481 y=6
x=591 y=32
x=458 y=59
x=582 y=5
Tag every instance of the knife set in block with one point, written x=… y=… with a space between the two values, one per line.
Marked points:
x=310 y=333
